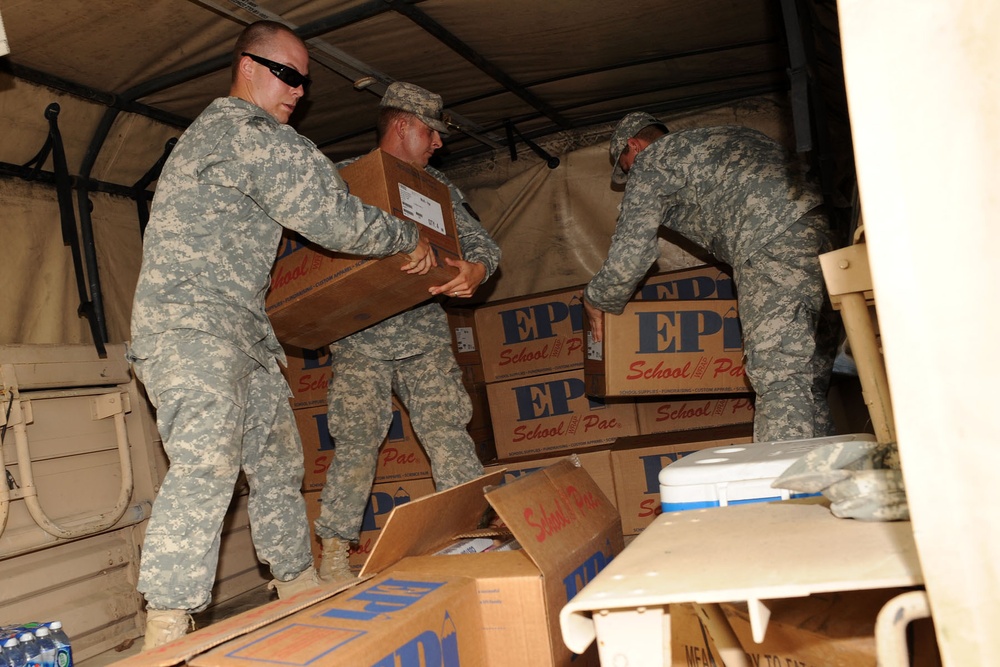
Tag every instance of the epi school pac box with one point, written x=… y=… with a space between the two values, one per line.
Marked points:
x=565 y=529
x=736 y=473
x=318 y=297
x=390 y=620
x=668 y=347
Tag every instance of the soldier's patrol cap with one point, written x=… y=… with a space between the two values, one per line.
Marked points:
x=628 y=127
x=425 y=105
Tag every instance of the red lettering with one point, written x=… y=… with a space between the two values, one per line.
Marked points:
x=727 y=367
x=639 y=371
x=523 y=355
x=283 y=275
x=522 y=433
x=649 y=507
x=322 y=464
x=362 y=547
x=742 y=404
x=574 y=344
x=392 y=455
x=309 y=382
x=594 y=421
x=549 y=523
x=670 y=411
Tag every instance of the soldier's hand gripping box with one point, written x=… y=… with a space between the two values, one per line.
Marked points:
x=318 y=297
x=567 y=531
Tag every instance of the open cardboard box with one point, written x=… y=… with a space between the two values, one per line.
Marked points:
x=421 y=610
x=568 y=531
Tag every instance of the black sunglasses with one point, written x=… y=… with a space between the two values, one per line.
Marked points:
x=285 y=74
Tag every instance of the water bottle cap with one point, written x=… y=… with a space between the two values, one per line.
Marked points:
x=25 y=637
x=41 y=631
x=55 y=625
x=11 y=641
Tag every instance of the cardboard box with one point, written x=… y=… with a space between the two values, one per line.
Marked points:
x=399 y=457
x=692 y=412
x=668 y=347
x=709 y=281
x=549 y=413
x=317 y=296
x=387 y=620
x=308 y=374
x=597 y=463
x=637 y=462
x=567 y=532
x=541 y=333
x=383 y=499
x=464 y=342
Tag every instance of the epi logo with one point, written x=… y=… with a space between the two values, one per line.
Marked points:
x=588 y=569
x=538 y=322
x=427 y=649
x=686 y=289
x=550 y=399
x=673 y=331
x=385 y=598
x=381 y=503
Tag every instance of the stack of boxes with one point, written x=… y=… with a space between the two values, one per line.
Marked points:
x=666 y=380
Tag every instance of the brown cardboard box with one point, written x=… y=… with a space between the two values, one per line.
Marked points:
x=668 y=347
x=596 y=461
x=318 y=297
x=384 y=497
x=549 y=413
x=567 y=532
x=821 y=630
x=387 y=620
x=692 y=412
x=464 y=342
x=709 y=281
x=541 y=333
x=308 y=375
x=399 y=457
x=637 y=463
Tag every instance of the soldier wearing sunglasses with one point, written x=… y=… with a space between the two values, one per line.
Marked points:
x=201 y=341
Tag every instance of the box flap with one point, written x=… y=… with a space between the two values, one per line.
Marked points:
x=554 y=511
x=427 y=523
x=181 y=651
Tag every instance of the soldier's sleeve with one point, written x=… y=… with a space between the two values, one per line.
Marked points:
x=477 y=244
x=300 y=188
x=633 y=245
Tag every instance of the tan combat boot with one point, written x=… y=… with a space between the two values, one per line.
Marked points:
x=333 y=568
x=164 y=626
x=286 y=589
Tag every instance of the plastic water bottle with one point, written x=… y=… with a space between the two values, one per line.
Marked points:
x=64 y=651
x=46 y=647
x=32 y=652
x=13 y=653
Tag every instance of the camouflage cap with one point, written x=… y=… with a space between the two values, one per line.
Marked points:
x=627 y=128
x=425 y=105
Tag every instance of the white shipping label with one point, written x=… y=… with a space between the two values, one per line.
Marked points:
x=595 y=350
x=422 y=209
x=464 y=340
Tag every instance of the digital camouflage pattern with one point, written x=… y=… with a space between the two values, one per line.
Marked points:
x=204 y=348
x=218 y=410
x=234 y=179
x=737 y=194
x=862 y=479
x=410 y=353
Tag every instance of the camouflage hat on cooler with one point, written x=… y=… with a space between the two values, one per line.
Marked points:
x=627 y=128
x=425 y=105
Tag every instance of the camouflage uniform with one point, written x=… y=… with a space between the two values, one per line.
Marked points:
x=205 y=350
x=410 y=354
x=735 y=192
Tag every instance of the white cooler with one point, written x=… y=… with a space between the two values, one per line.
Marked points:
x=736 y=474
